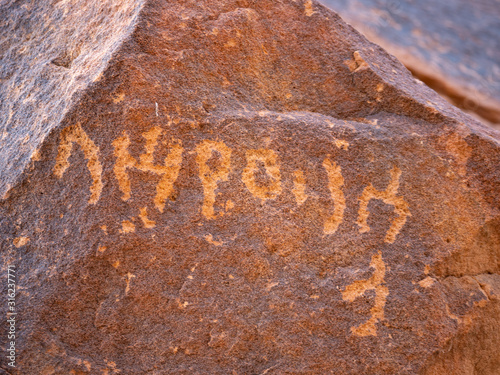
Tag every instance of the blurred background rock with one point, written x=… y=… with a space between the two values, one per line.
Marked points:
x=451 y=45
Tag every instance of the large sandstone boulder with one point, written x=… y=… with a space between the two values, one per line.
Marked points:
x=237 y=187
x=451 y=45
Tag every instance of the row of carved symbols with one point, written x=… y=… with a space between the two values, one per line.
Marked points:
x=210 y=178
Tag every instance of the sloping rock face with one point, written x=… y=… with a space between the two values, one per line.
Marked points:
x=50 y=51
x=453 y=46
x=251 y=187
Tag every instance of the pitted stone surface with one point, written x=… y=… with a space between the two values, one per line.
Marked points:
x=251 y=187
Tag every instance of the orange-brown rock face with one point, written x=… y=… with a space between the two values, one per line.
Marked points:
x=251 y=187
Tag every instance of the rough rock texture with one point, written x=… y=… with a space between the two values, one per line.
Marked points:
x=248 y=187
x=452 y=45
x=49 y=52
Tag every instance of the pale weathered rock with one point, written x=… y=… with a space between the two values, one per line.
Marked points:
x=452 y=45
x=250 y=187
x=49 y=52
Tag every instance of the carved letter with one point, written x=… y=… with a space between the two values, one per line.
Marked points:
x=358 y=288
x=335 y=183
x=123 y=161
x=269 y=158
x=389 y=197
x=75 y=134
x=169 y=171
x=299 y=187
x=209 y=177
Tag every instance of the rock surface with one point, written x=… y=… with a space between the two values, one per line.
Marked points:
x=453 y=45
x=243 y=187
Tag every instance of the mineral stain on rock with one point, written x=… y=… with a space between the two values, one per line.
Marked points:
x=226 y=195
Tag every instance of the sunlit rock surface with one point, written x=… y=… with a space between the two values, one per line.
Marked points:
x=240 y=187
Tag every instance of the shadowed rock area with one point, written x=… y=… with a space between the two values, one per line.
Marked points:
x=243 y=187
x=50 y=51
x=453 y=46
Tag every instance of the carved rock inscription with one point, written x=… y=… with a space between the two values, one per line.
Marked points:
x=211 y=178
